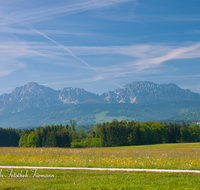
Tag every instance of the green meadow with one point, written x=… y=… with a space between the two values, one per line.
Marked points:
x=102 y=180
x=162 y=156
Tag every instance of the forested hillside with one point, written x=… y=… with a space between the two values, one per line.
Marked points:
x=189 y=118
x=86 y=114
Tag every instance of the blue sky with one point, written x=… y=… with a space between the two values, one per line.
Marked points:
x=99 y=45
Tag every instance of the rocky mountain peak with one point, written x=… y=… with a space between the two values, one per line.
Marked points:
x=35 y=95
x=77 y=95
x=144 y=92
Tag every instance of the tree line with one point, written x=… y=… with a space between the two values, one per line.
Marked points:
x=134 y=133
x=103 y=134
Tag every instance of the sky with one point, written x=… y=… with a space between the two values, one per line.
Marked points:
x=99 y=45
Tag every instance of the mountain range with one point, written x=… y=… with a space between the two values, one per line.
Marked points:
x=26 y=102
x=34 y=95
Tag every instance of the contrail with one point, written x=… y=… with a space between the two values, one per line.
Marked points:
x=48 y=12
x=67 y=49
x=63 y=47
x=58 y=44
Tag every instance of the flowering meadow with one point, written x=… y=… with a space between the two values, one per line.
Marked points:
x=164 y=156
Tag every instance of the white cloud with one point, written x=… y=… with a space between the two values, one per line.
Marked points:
x=5 y=72
x=86 y=80
x=178 y=53
x=136 y=50
x=9 y=54
x=146 y=57
x=46 y=13
x=149 y=61
x=24 y=31
x=24 y=18
x=65 y=48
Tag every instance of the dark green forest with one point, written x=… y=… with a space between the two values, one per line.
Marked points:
x=111 y=134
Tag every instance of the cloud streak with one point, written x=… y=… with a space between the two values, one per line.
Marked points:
x=46 y=13
x=145 y=56
x=178 y=53
x=65 y=48
x=145 y=64
x=24 y=31
x=142 y=57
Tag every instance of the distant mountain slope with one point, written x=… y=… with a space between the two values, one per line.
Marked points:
x=193 y=117
x=94 y=113
x=77 y=95
x=144 y=92
x=33 y=95
x=28 y=96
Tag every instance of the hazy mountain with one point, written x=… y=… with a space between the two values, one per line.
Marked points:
x=33 y=95
x=144 y=92
x=191 y=117
x=28 y=96
x=77 y=95
x=94 y=113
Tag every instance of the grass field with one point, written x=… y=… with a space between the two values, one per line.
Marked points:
x=103 y=180
x=164 y=156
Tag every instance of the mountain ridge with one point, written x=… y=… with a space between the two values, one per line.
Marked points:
x=34 y=95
